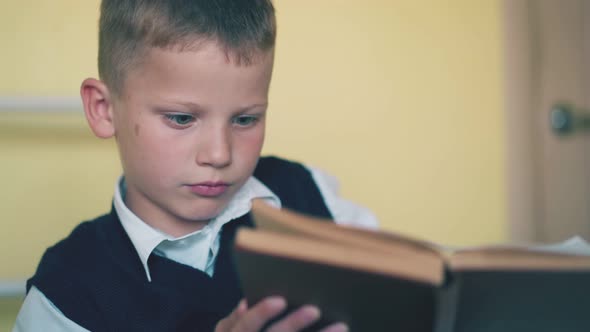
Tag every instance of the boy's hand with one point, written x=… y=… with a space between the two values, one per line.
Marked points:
x=244 y=319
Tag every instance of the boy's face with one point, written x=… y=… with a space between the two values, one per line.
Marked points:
x=190 y=128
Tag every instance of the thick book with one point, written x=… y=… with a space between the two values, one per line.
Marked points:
x=381 y=281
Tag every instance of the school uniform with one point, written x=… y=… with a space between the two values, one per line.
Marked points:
x=116 y=273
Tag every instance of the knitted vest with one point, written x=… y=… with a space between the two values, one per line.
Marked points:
x=96 y=278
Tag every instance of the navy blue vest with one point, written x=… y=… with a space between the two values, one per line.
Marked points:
x=96 y=278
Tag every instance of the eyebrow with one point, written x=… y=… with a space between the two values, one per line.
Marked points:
x=189 y=105
x=197 y=107
x=253 y=106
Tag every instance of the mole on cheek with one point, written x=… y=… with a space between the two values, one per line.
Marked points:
x=136 y=130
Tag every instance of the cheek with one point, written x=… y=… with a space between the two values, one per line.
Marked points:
x=250 y=144
x=150 y=150
x=160 y=152
x=246 y=150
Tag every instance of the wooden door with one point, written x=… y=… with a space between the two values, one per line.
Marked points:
x=547 y=45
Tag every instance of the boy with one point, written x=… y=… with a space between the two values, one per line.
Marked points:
x=183 y=89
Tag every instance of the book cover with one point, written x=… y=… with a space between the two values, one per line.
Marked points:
x=382 y=281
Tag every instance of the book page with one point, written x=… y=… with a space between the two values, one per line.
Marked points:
x=398 y=251
x=572 y=254
x=573 y=246
x=289 y=222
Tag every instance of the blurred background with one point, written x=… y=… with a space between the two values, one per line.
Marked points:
x=434 y=114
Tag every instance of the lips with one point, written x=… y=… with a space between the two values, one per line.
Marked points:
x=209 y=189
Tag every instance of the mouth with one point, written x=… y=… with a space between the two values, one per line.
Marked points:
x=209 y=188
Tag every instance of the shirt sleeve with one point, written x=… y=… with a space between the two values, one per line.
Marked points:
x=344 y=211
x=39 y=314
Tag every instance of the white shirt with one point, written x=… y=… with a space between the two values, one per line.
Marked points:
x=198 y=249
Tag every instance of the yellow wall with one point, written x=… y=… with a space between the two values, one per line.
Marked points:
x=399 y=99
x=402 y=101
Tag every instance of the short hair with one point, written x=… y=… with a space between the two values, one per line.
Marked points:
x=129 y=28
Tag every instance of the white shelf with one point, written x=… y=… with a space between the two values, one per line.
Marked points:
x=12 y=288
x=40 y=104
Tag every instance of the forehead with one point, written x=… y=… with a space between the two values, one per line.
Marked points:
x=207 y=68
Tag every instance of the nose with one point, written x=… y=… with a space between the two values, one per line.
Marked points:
x=215 y=148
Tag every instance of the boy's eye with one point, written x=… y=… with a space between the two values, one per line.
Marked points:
x=245 y=120
x=180 y=119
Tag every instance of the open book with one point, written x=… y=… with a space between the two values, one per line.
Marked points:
x=381 y=281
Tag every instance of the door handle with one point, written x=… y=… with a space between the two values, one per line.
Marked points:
x=566 y=120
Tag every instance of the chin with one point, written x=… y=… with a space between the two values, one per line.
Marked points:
x=198 y=209
x=204 y=213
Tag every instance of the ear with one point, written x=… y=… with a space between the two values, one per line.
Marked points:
x=98 y=107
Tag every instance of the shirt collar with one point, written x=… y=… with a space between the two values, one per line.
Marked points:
x=146 y=238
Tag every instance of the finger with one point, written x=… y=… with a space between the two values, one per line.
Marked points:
x=238 y=312
x=337 y=327
x=229 y=321
x=242 y=307
x=297 y=320
x=255 y=318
